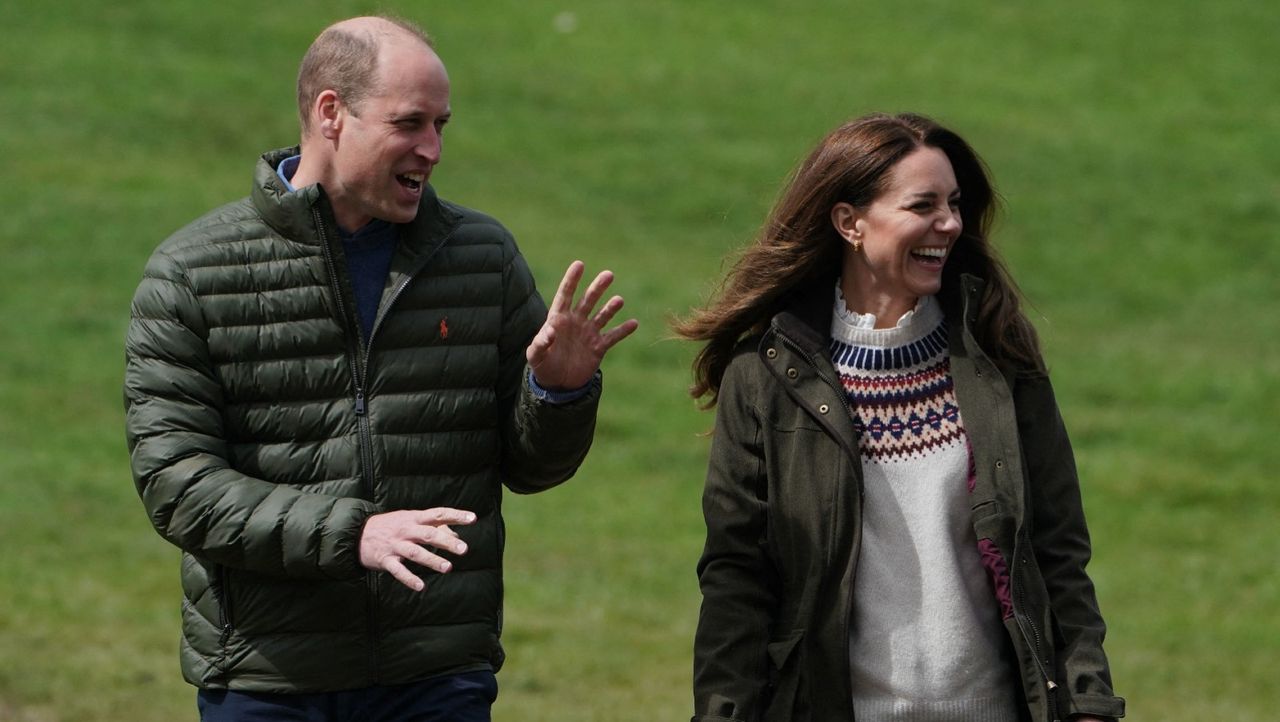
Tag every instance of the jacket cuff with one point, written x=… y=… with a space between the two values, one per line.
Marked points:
x=340 y=551
x=1094 y=705
x=559 y=397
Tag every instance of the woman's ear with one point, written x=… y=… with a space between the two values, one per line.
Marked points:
x=848 y=222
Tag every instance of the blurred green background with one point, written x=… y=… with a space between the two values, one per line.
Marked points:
x=1135 y=144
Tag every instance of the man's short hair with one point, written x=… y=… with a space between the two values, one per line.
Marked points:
x=347 y=62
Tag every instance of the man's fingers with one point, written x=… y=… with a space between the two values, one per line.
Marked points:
x=445 y=515
x=623 y=330
x=390 y=539
x=393 y=567
x=563 y=299
x=607 y=312
x=441 y=537
x=537 y=350
x=594 y=292
x=420 y=556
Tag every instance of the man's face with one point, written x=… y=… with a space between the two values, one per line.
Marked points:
x=387 y=146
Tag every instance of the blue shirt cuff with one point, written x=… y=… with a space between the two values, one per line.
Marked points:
x=556 y=397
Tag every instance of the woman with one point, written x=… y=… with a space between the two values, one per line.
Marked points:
x=894 y=525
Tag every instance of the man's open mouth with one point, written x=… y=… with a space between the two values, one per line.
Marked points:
x=412 y=181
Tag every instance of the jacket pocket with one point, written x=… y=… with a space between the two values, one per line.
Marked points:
x=990 y=522
x=221 y=588
x=788 y=699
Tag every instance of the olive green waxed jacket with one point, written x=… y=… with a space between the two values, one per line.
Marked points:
x=782 y=506
x=264 y=430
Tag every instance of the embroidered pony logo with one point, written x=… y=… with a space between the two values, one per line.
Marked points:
x=444 y=327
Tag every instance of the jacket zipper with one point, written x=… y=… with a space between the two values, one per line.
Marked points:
x=1024 y=623
x=222 y=595
x=355 y=358
x=1019 y=614
x=377 y=323
x=358 y=363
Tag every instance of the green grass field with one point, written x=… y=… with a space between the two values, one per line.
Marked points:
x=1135 y=143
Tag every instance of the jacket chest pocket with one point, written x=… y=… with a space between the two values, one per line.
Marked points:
x=808 y=481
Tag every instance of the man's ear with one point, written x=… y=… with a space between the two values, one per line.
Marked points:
x=327 y=114
x=848 y=222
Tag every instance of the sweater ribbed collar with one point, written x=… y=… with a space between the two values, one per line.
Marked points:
x=858 y=329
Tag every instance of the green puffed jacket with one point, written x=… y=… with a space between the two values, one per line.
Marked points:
x=263 y=432
x=782 y=505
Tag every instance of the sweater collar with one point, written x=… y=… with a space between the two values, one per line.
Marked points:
x=853 y=329
x=808 y=311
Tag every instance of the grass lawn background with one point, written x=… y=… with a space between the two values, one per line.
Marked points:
x=1134 y=143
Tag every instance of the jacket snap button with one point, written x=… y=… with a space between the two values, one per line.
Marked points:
x=771 y=353
x=792 y=373
x=823 y=409
x=999 y=464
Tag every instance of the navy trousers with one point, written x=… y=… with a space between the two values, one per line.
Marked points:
x=452 y=698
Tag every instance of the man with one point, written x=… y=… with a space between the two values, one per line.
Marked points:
x=327 y=384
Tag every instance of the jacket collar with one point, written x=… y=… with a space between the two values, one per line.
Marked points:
x=967 y=305
x=293 y=214
x=962 y=308
x=288 y=213
x=806 y=316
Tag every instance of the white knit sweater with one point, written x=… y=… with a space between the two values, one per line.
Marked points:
x=926 y=641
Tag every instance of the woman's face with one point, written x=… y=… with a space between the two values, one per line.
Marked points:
x=896 y=247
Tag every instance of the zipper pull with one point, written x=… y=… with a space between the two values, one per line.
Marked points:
x=360 y=403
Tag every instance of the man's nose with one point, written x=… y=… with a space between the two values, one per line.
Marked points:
x=429 y=146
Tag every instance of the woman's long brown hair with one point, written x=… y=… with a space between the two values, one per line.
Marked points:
x=798 y=244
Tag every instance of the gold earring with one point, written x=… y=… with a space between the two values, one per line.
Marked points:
x=857 y=245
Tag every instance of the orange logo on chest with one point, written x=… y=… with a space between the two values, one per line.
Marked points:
x=444 y=327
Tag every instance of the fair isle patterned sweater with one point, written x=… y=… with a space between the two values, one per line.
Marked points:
x=926 y=640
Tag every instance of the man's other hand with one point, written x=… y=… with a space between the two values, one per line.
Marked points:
x=391 y=539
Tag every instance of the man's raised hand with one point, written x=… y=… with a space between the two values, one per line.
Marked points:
x=569 y=347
